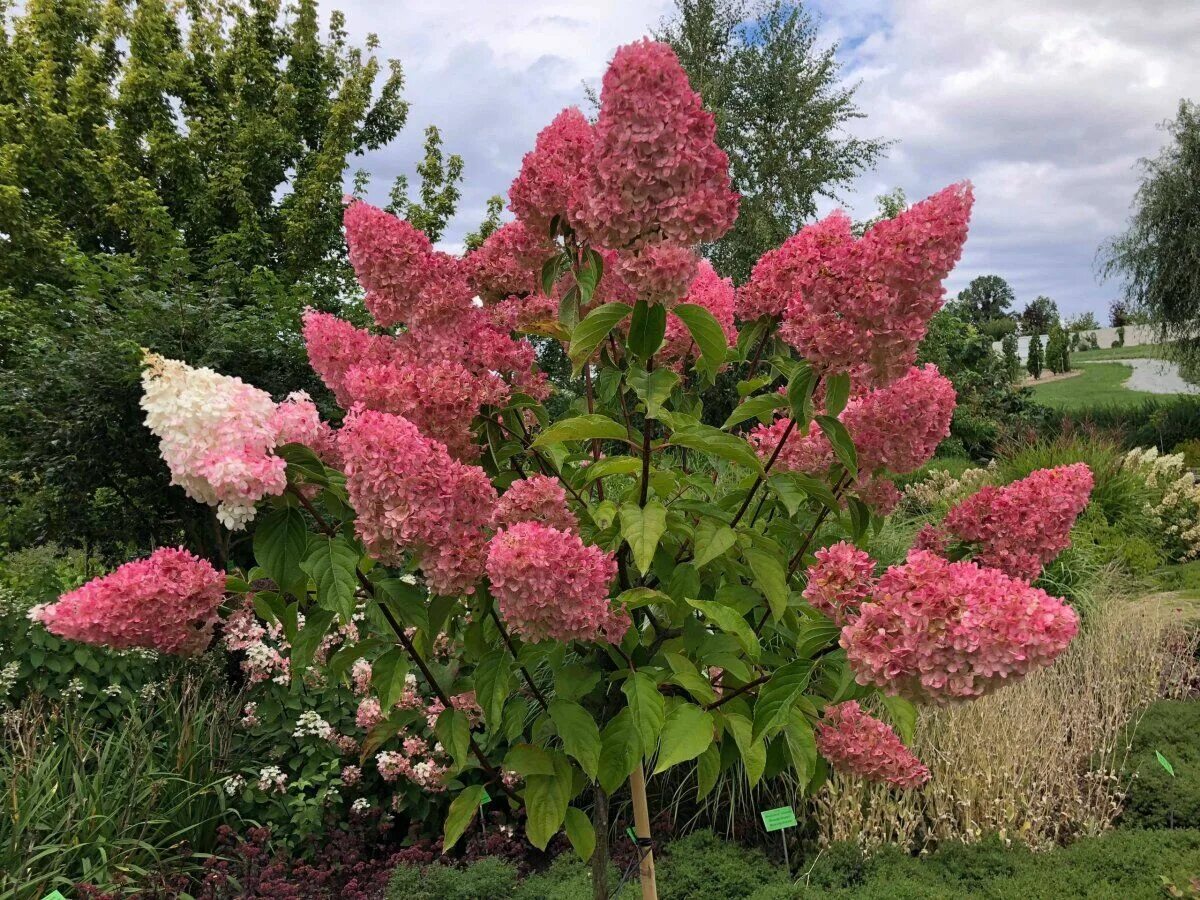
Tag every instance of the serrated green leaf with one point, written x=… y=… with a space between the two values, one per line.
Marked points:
x=620 y=750
x=582 y=428
x=408 y=601
x=708 y=770
x=580 y=833
x=760 y=407
x=686 y=733
x=801 y=384
x=459 y=816
x=579 y=733
x=387 y=676
x=304 y=647
x=794 y=488
x=280 y=546
x=593 y=330
x=574 y=681
x=642 y=528
x=588 y=276
x=837 y=392
x=707 y=439
x=546 y=799
x=526 y=760
x=493 y=684
x=802 y=747
x=652 y=388
x=647 y=708
x=842 y=443
x=713 y=538
x=611 y=465
x=773 y=707
x=731 y=622
x=454 y=731
x=686 y=675
x=752 y=751
x=903 y=715
x=770 y=577
x=815 y=634
x=646 y=329
x=706 y=331
x=333 y=565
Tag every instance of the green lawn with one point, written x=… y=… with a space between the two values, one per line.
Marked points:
x=1145 y=351
x=1098 y=385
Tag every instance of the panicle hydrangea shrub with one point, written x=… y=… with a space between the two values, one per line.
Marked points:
x=165 y=602
x=553 y=171
x=937 y=630
x=862 y=745
x=715 y=294
x=1021 y=527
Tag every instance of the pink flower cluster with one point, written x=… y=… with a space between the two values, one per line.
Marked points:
x=416 y=762
x=659 y=273
x=939 y=630
x=895 y=428
x=553 y=171
x=166 y=602
x=538 y=498
x=714 y=293
x=655 y=172
x=218 y=434
x=1019 y=528
x=411 y=496
x=862 y=745
x=863 y=305
x=508 y=263
x=792 y=267
x=550 y=585
x=839 y=581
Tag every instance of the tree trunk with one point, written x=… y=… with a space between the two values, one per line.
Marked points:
x=641 y=826
x=600 y=855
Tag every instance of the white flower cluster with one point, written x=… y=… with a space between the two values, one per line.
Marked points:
x=310 y=724
x=361 y=805
x=272 y=779
x=8 y=678
x=234 y=785
x=940 y=488
x=1173 y=497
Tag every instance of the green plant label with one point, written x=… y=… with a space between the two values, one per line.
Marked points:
x=1162 y=761
x=54 y=895
x=484 y=797
x=632 y=834
x=775 y=819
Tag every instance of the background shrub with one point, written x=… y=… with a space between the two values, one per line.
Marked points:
x=1158 y=799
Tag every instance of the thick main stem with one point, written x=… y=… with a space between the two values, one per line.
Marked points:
x=641 y=827
x=600 y=853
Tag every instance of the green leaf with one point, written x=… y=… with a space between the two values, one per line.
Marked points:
x=860 y=517
x=802 y=746
x=713 y=538
x=551 y=270
x=526 y=760
x=646 y=329
x=903 y=715
x=652 y=388
x=580 y=833
x=580 y=736
x=546 y=799
x=706 y=331
x=593 y=330
x=773 y=707
x=333 y=565
x=387 y=676
x=755 y=408
x=408 y=601
x=316 y=625
x=708 y=770
x=816 y=633
x=582 y=428
x=794 y=488
x=620 y=749
x=589 y=275
x=839 y=438
x=493 y=684
x=280 y=545
x=753 y=751
x=574 y=681
x=1165 y=763
x=837 y=392
x=454 y=731
x=642 y=528
x=731 y=622
x=611 y=465
x=687 y=676
x=799 y=393
x=771 y=578
x=647 y=708
x=720 y=443
x=303 y=464
x=636 y=598
x=461 y=812
x=687 y=732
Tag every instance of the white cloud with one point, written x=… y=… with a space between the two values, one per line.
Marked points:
x=1045 y=104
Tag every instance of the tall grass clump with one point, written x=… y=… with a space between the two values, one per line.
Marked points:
x=87 y=802
x=1039 y=762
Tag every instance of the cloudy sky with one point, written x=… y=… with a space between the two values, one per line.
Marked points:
x=1045 y=105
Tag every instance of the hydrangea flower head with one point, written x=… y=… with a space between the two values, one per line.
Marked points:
x=165 y=602
x=655 y=172
x=538 y=498
x=552 y=171
x=859 y=744
x=552 y=586
x=508 y=262
x=792 y=267
x=939 y=630
x=839 y=581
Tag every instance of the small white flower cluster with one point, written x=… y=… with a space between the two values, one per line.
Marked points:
x=940 y=488
x=113 y=690
x=8 y=677
x=361 y=805
x=310 y=724
x=272 y=779
x=1173 y=497
x=74 y=689
x=150 y=691
x=234 y=785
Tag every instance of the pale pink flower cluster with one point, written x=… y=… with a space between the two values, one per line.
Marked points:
x=508 y=262
x=553 y=171
x=863 y=305
x=859 y=744
x=655 y=172
x=351 y=775
x=1021 y=527
x=659 y=273
x=939 y=630
x=217 y=435
x=791 y=267
x=714 y=293
x=411 y=496
x=360 y=676
x=538 y=498
x=839 y=581
x=550 y=585
x=416 y=762
x=260 y=647
x=895 y=428
x=368 y=714
x=165 y=602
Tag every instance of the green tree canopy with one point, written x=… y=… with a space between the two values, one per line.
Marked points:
x=781 y=109
x=171 y=176
x=1158 y=258
x=1039 y=315
x=985 y=298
